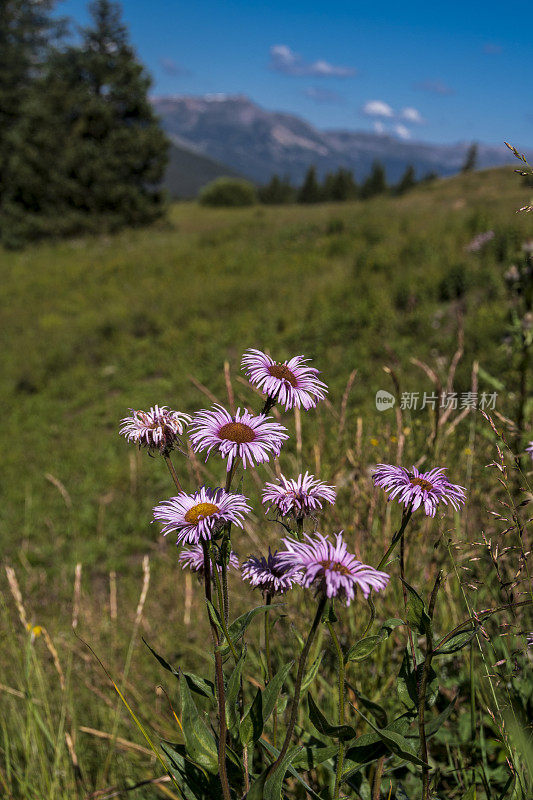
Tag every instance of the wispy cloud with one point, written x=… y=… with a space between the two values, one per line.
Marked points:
x=377 y=108
x=434 y=87
x=321 y=95
x=286 y=61
x=491 y=49
x=172 y=67
x=402 y=131
x=413 y=115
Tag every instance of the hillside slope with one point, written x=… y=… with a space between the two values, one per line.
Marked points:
x=99 y=325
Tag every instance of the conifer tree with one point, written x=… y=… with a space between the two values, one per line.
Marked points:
x=340 y=186
x=276 y=191
x=406 y=182
x=310 y=190
x=376 y=183
x=470 y=162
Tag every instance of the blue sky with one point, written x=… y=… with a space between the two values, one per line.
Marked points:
x=440 y=72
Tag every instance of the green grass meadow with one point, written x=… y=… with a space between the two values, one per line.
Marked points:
x=95 y=326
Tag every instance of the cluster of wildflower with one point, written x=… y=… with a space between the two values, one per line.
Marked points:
x=200 y=518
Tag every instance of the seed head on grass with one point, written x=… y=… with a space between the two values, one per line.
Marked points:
x=200 y=515
x=300 y=496
x=414 y=488
x=252 y=438
x=157 y=429
x=292 y=383
x=270 y=574
x=330 y=568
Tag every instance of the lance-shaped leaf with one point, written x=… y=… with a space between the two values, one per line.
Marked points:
x=164 y=663
x=251 y=726
x=232 y=692
x=311 y=756
x=195 y=782
x=390 y=624
x=196 y=684
x=323 y=726
x=274 y=752
x=456 y=642
x=363 y=648
x=199 y=742
x=310 y=675
x=417 y=615
x=377 y=711
x=272 y=690
x=397 y=744
x=269 y=784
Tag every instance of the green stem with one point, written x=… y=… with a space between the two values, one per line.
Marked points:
x=298 y=684
x=173 y=473
x=223 y=621
x=406 y=516
x=340 y=662
x=268 y=600
x=219 y=676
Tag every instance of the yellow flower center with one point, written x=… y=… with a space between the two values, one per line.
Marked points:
x=237 y=432
x=335 y=566
x=426 y=485
x=282 y=372
x=200 y=511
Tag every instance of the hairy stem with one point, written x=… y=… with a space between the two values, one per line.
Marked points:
x=268 y=600
x=376 y=783
x=298 y=684
x=423 y=690
x=340 y=662
x=173 y=473
x=219 y=679
x=406 y=516
x=404 y=592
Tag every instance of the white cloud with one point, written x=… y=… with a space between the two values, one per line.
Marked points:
x=285 y=60
x=410 y=114
x=379 y=128
x=402 y=131
x=377 y=108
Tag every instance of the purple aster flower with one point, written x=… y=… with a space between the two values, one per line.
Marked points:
x=156 y=429
x=529 y=449
x=529 y=640
x=198 y=516
x=290 y=383
x=193 y=558
x=270 y=574
x=300 y=497
x=414 y=488
x=243 y=436
x=330 y=568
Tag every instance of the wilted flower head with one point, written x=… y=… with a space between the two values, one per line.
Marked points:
x=193 y=558
x=270 y=574
x=158 y=428
x=300 y=497
x=529 y=449
x=290 y=383
x=197 y=516
x=253 y=439
x=414 y=488
x=330 y=568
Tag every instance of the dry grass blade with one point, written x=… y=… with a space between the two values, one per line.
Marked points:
x=200 y=386
x=17 y=596
x=344 y=403
x=60 y=487
x=55 y=657
x=125 y=744
x=77 y=596
x=229 y=387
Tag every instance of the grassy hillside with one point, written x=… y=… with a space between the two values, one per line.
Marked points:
x=95 y=326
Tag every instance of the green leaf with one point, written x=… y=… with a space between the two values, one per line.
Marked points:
x=470 y=793
x=310 y=675
x=161 y=660
x=390 y=624
x=274 y=782
x=239 y=626
x=251 y=726
x=272 y=690
x=397 y=744
x=435 y=722
x=323 y=726
x=214 y=616
x=417 y=615
x=195 y=782
x=408 y=680
x=377 y=711
x=199 y=685
x=311 y=756
x=199 y=741
x=274 y=752
x=456 y=642
x=362 y=649
x=232 y=693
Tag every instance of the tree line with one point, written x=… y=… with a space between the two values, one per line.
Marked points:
x=80 y=146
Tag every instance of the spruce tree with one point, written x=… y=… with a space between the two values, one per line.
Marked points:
x=406 y=182
x=276 y=191
x=340 y=186
x=470 y=162
x=376 y=183
x=310 y=190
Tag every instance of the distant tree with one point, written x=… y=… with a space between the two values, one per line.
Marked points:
x=376 y=183
x=339 y=186
x=277 y=191
x=26 y=31
x=406 y=182
x=470 y=162
x=429 y=177
x=310 y=191
x=228 y=192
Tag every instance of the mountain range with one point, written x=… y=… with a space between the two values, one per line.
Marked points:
x=229 y=134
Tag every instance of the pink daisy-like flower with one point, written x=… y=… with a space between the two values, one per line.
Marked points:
x=253 y=439
x=300 y=497
x=290 y=383
x=270 y=574
x=193 y=558
x=158 y=428
x=330 y=567
x=414 y=488
x=198 y=516
x=529 y=449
